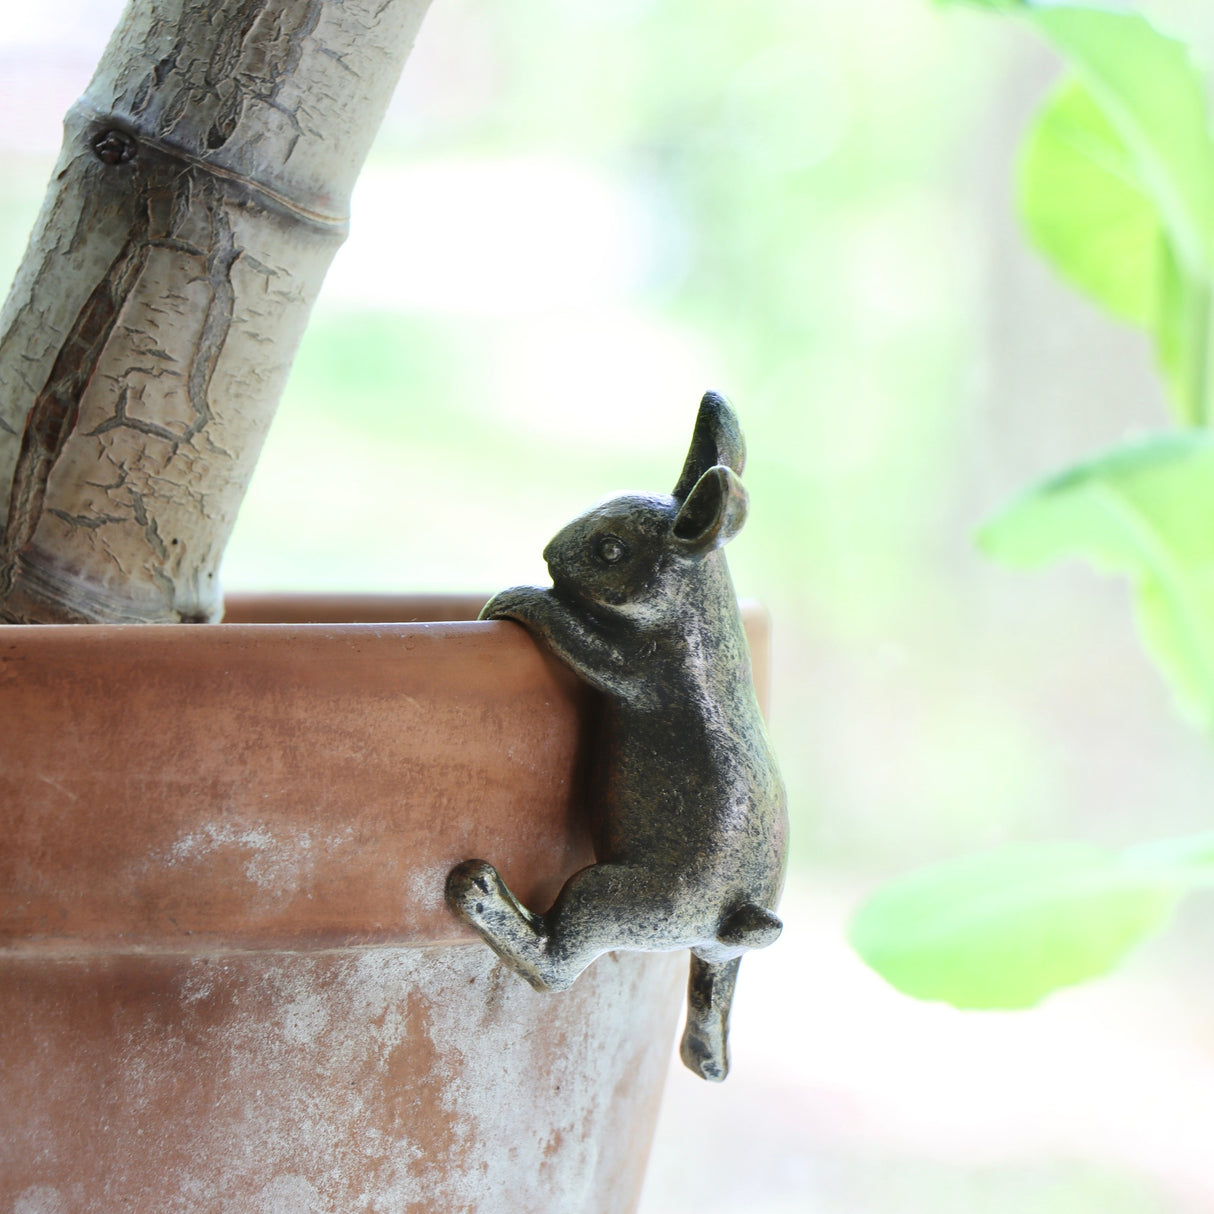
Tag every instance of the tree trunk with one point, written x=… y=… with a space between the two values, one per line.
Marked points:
x=200 y=195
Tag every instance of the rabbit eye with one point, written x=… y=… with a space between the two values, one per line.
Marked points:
x=611 y=549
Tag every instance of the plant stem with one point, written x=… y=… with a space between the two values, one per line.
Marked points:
x=199 y=197
x=1203 y=385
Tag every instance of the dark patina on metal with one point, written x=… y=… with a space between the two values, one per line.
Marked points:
x=691 y=827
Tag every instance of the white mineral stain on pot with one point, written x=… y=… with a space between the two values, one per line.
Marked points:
x=277 y=862
x=289 y=1195
x=41 y=1199
x=379 y=1080
x=426 y=886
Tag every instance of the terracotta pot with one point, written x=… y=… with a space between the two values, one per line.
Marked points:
x=228 y=979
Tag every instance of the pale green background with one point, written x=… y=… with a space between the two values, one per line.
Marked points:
x=579 y=216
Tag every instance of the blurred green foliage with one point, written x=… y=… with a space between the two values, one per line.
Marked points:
x=1142 y=510
x=1129 y=131
x=780 y=158
x=1117 y=189
x=1003 y=928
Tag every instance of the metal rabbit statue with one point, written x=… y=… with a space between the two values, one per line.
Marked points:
x=692 y=826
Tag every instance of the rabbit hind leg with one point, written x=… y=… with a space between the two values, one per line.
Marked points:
x=705 y=1045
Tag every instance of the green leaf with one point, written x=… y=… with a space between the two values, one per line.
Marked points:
x=1144 y=510
x=1153 y=96
x=1182 y=338
x=1085 y=209
x=1005 y=928
x=1117 y=182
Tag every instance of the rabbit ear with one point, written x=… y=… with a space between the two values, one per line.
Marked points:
x=713 y=513
x=716 y=439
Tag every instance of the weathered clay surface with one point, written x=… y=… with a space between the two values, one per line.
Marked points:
x=228 y=978
x=388 y=1080
x=239 y=786
x=245 y=787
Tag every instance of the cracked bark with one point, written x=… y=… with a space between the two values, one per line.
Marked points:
x=199 y=197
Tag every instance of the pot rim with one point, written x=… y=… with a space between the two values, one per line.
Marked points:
x=302 y=785
x=252 y=786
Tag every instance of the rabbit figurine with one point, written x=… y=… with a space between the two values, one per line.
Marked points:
x=691 y=832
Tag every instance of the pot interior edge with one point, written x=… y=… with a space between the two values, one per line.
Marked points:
x=352 y=608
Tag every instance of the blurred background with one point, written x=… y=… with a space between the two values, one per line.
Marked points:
x=580 y=215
